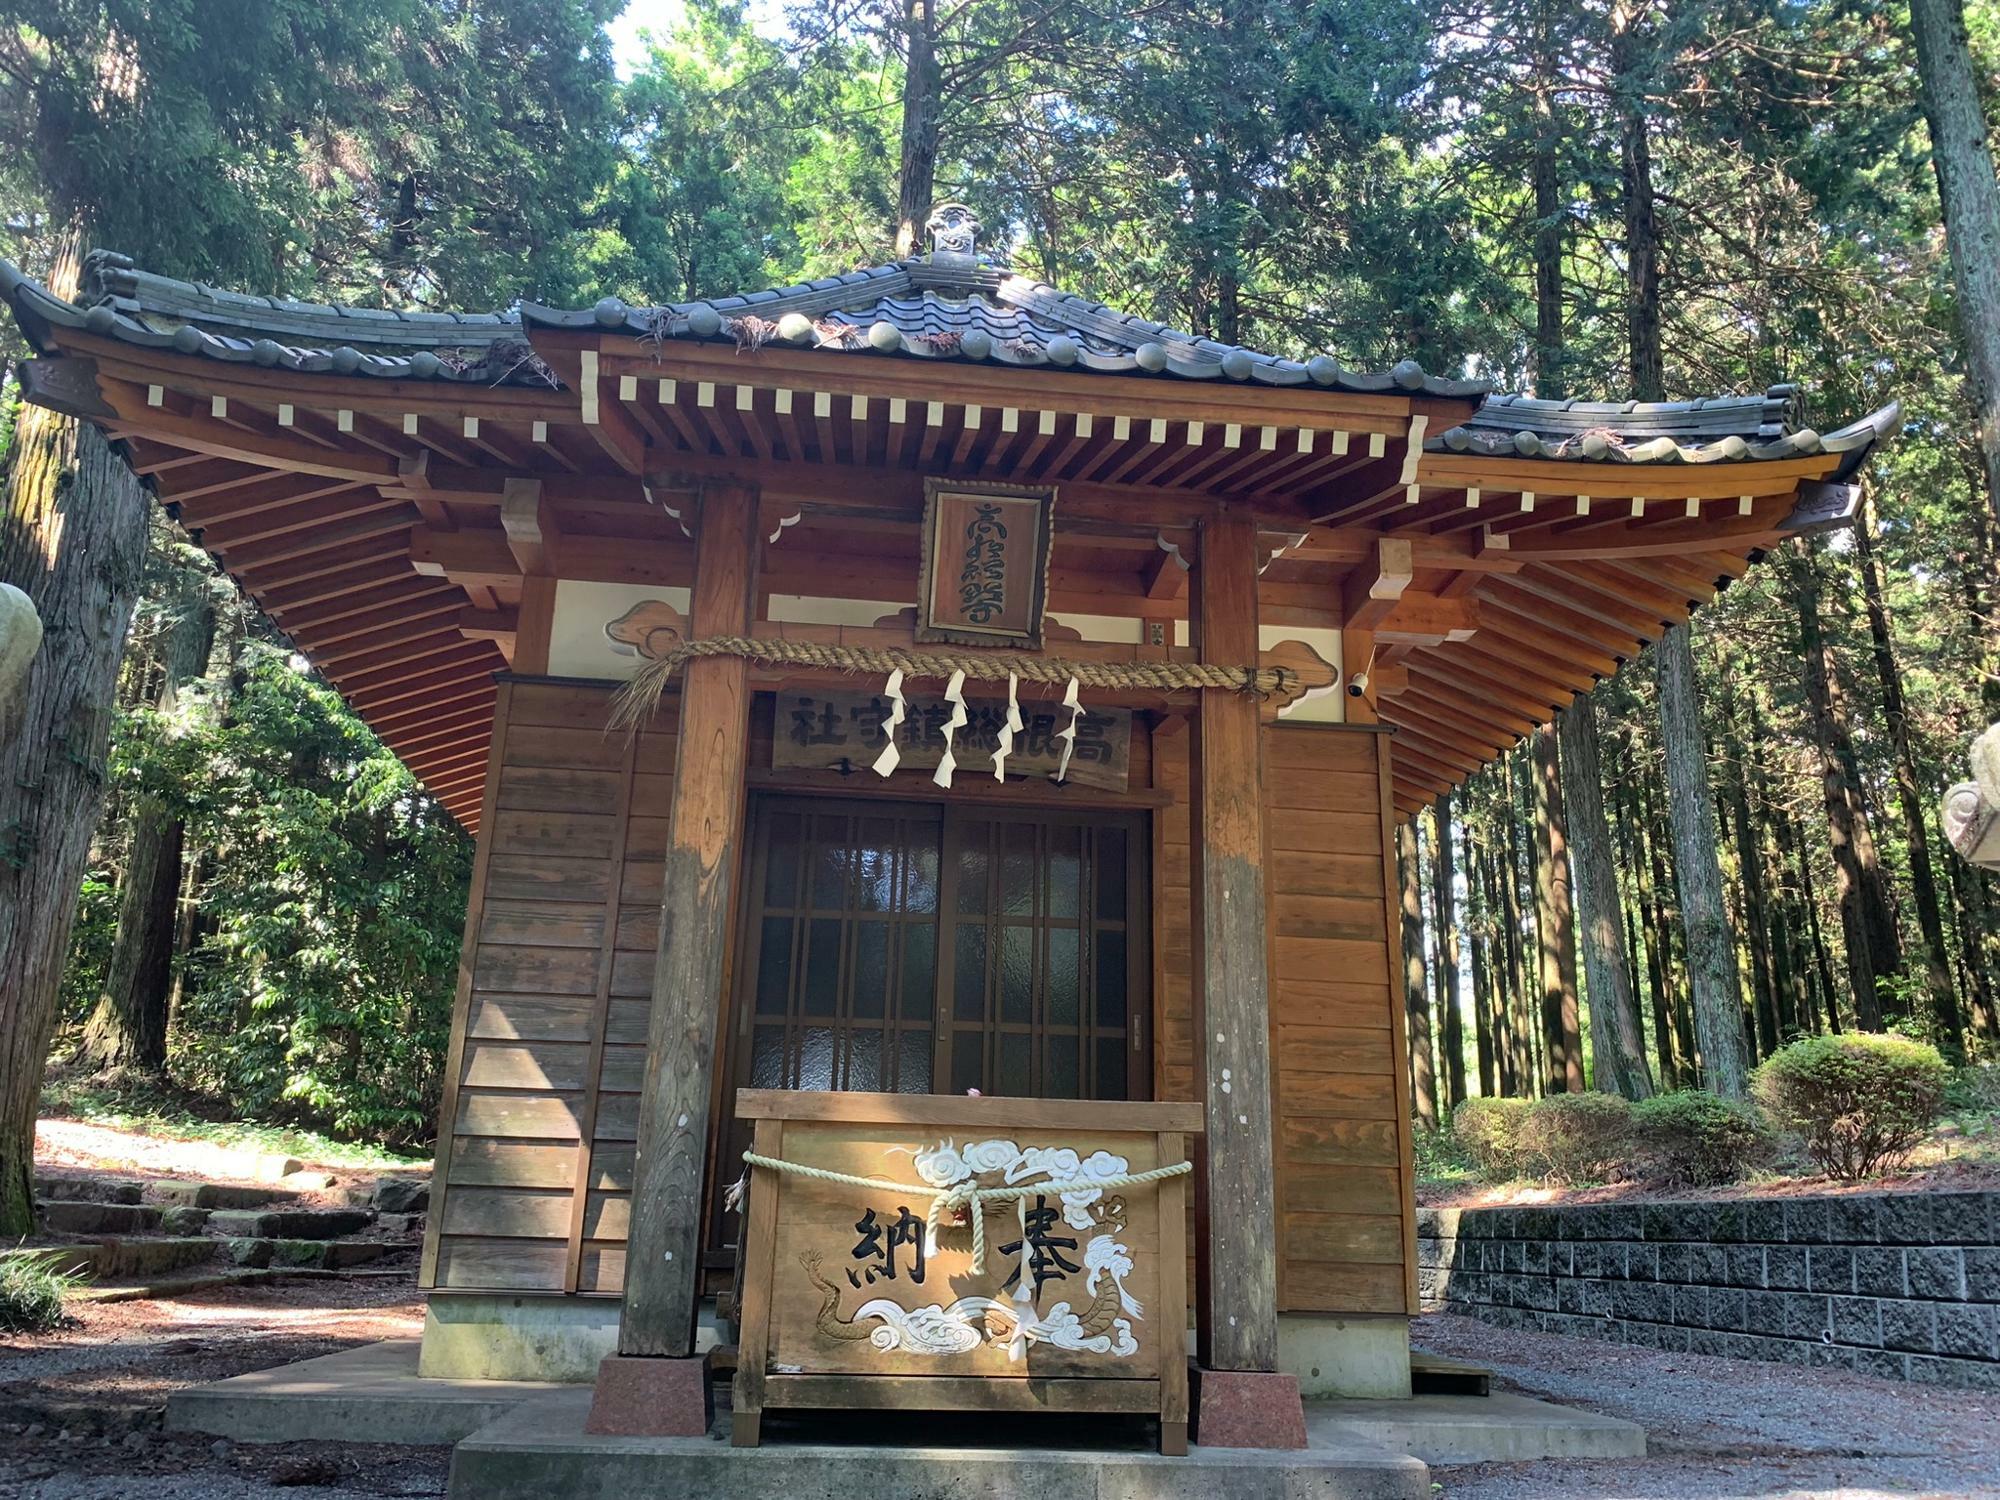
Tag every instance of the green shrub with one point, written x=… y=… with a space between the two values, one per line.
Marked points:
x=1439 y=1156
x=1576 y=1137
x=31 y=1295
x=1858 y=1102
x=1694 y=1139
x=1486 y=1131
x=1974 y=1090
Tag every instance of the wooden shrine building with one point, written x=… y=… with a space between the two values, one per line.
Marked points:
x=1249 y=613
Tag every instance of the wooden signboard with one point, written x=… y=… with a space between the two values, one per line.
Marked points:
x=816 y=730
x=848 y=1301
x=986 y=564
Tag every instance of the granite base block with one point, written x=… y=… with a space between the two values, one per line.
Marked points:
x=636 y=1397
x=1246 y=1409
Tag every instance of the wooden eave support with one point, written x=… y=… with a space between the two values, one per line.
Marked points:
x=529 y=523
x=1235 y=1193
x=1373 y=589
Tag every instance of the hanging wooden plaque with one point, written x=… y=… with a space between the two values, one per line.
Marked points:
x=986 y=563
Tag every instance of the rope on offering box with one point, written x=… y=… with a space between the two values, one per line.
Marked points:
x=968 y=1196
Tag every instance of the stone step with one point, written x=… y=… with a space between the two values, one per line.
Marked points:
x=407 y=1226
x=324 y=1255
x=290 y=1223
x=64 y=1216
x=402 y=1195
x=181 y=1219
x=89 y=1189
x=390 y=1195
x=191 y=1194
x=113 y=1256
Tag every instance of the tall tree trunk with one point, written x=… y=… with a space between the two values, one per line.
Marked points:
x=1642 y=232
x=1416 y=996
x=1711 y=955
x=1847 y=820
x=1946 y=1021
x=1973 y=947
x=1822 y=963
x=917 y=165
x=1451 y=1025
x=1546 y=182
x=1671 y=991
x=128 y=1027
x=1520 y=1043
x=1794 y=1001
x=1964 y=164
x=73 y=539
x=1477 y=910
x=1555 y=923
x=1617 y=1040
x=1759 y=921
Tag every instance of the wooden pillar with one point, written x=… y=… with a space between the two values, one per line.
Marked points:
x=1236 y=1277
x=663 y=1253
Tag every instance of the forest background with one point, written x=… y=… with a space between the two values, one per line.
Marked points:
x=1610 y=199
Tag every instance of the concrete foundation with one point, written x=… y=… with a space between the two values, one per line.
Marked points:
x=1500 y=1428
x=469 y=1336
x=541 y=1449
x=528 y=1440
x=372 y=1393
x=1359 y=1357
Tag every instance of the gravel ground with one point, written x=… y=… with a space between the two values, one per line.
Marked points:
x=79 y=1412
x=1727 y=1427
x=80 y=1409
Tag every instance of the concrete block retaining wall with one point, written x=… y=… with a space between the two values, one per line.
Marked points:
x=1905 y=1286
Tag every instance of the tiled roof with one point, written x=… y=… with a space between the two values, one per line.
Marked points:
x=940 y=307
x=1716 y=430
x=962 y=307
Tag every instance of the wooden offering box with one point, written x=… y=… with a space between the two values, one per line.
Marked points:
x=848 y=1302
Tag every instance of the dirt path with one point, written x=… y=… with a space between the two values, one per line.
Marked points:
x=79 y=1410
x=1727 y=1427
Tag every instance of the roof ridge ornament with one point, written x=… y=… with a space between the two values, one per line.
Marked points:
x=954 y=231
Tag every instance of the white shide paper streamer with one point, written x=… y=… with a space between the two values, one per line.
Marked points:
x=1011 y=727
x=954 y=694
x=891 y=755
x=1068 y=734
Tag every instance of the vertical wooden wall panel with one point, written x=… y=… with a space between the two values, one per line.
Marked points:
x=1346 y=1214
x=535 y=1163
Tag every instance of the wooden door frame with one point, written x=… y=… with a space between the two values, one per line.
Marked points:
x=1141 y=998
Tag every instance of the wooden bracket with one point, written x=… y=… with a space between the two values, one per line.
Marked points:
x=1375 y=587
x=530 y=524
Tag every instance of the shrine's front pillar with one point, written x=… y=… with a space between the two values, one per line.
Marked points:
x=1240 y=1400
x=654 y=1384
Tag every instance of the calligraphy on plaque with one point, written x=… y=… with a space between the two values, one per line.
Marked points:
x=816 y=730
x=1067 y=1285
x=986 y=564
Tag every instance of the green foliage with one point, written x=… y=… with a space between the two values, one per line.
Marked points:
x=1694 y=1139
x=1571 y=1138
x=1974 y=1090
x=1859 y=1102
x=1488 y=1131
x=322 y=994
x=1439 y=1156
x=31 y=1295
